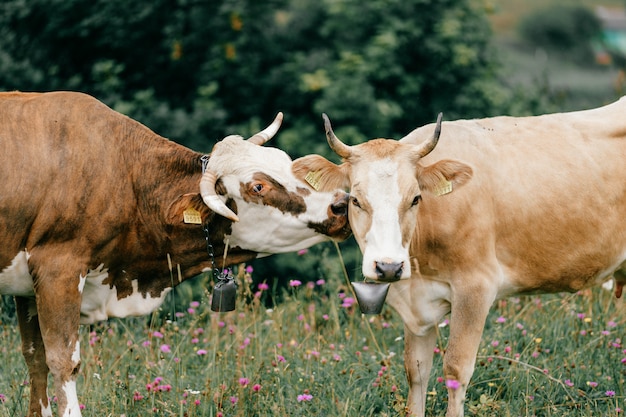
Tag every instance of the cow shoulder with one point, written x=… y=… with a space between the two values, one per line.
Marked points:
x=443 y=176
x=320 y=173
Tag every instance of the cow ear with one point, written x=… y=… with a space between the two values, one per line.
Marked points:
x=320 y=173
x=444 y=176
x=187 y=208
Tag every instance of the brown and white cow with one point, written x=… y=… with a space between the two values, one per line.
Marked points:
x=500 y=206
x=92 y=210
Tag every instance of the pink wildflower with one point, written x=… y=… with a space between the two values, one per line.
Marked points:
x=348 y=302
x=453 y=384
x=304 y=397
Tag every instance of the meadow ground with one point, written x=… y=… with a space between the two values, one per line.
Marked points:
x=314 y=354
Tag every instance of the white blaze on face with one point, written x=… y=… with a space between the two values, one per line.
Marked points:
x=383 y=240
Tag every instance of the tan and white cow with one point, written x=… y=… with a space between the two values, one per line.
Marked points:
x=500 y=206
x=92 y=209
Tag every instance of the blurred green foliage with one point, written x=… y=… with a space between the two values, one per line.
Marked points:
x=567 y=29
x=197 y=70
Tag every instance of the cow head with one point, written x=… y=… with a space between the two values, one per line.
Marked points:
x=387 y=181
x=276 y=212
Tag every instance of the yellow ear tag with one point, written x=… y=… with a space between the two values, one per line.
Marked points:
x=313 y=178
x=192 y=216
x=444 y=187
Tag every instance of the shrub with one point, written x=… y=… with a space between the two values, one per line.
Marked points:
x=564 y=29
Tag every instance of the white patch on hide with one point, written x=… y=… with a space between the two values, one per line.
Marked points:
x=46 y=411
x=15 y=279
x=81 y=283
x=76 y=354
x=100 y=302
x=73 y=407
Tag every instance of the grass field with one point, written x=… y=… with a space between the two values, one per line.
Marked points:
x=316 y=355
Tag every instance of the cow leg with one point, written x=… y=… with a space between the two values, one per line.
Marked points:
x=58 y=307
x=35 y=357
x=421 y=304
x=418 y=362
x=470 y=307
x=620 y=281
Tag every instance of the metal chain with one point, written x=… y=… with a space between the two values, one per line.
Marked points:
x=205 y=161
x=225 y=290
x=209 y=248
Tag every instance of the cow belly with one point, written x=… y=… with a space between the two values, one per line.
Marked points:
x=100 y=302
x=15 y=279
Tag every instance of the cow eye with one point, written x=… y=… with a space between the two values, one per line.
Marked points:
x=416 y=200
x=257 y=188
x=355 y=202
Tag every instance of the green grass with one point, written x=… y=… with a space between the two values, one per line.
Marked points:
x=316 y=355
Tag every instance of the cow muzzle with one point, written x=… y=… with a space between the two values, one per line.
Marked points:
x=388 y=271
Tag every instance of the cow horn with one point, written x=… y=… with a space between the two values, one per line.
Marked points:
x=426 y=147
x=210 y=197
x=335 y=144
x=267 y=133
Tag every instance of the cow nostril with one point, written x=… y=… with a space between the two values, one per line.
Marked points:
x=340 y=207
x=389 y=271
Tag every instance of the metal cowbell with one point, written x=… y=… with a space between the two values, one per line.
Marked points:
x=224 y=295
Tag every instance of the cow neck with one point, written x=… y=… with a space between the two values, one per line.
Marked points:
x=224 y=274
